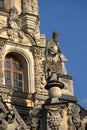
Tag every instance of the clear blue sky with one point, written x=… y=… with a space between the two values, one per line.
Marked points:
x=69 y=17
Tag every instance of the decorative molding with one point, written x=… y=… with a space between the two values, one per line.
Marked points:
x=9 y=117
x=55 y=118
x=13 y=18
x=18 y=36
x=6 y=116
x=30 y=6
x=2 y=23
x=39 y=55
x=2 y=42
x=14 y=32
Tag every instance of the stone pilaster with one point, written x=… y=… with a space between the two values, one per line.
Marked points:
x=39 y=56
x=29 y=22
x=2 y=45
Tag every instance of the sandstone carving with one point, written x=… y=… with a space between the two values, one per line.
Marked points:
x=30 y=6
x=54 y=58
x=39 y=69
x=2 y=23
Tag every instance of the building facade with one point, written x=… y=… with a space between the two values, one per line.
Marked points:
x=25 y=79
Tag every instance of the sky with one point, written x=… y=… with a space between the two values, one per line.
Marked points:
x=69 y=17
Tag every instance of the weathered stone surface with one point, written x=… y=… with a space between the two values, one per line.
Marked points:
x=54 y=65
x=58 y=116
x=43 y=68
x=30 y=6
x=9 y=118
x=54 y=58
x=39 y=56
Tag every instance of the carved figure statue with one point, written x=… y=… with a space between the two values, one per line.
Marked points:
x=13 y=17
x=54 y=58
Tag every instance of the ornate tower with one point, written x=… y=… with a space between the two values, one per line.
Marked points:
x=22 y=52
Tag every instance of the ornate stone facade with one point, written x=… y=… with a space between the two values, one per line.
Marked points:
x=46 y=100
x=9 y=118
x=30 y=6
x=2 y=46
x=39 y=56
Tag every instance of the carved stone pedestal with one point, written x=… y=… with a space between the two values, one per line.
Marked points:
x=65 y=116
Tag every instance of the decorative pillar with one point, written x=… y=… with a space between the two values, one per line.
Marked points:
x=29 y=15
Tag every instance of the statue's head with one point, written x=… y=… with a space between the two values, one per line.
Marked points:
x=55 y=36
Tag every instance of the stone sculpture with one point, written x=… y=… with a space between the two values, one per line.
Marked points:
x=54 y=58
x=30 y=6
x=13 y=18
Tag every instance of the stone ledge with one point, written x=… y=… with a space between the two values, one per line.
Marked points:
x=68 y=98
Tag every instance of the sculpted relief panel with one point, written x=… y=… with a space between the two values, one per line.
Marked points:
x=15 y=34
x=40 y=82
x=65 y=116
x=30 y=6
x=9 y=118
x=2 y=51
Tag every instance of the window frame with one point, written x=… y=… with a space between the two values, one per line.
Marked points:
x=4 y=4
x=14 y=71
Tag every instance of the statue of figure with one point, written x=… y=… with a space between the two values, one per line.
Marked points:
x=13 y=18
x=54 y=58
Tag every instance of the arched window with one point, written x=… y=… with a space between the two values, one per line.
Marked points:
x=2 y=3
x=14 y=73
